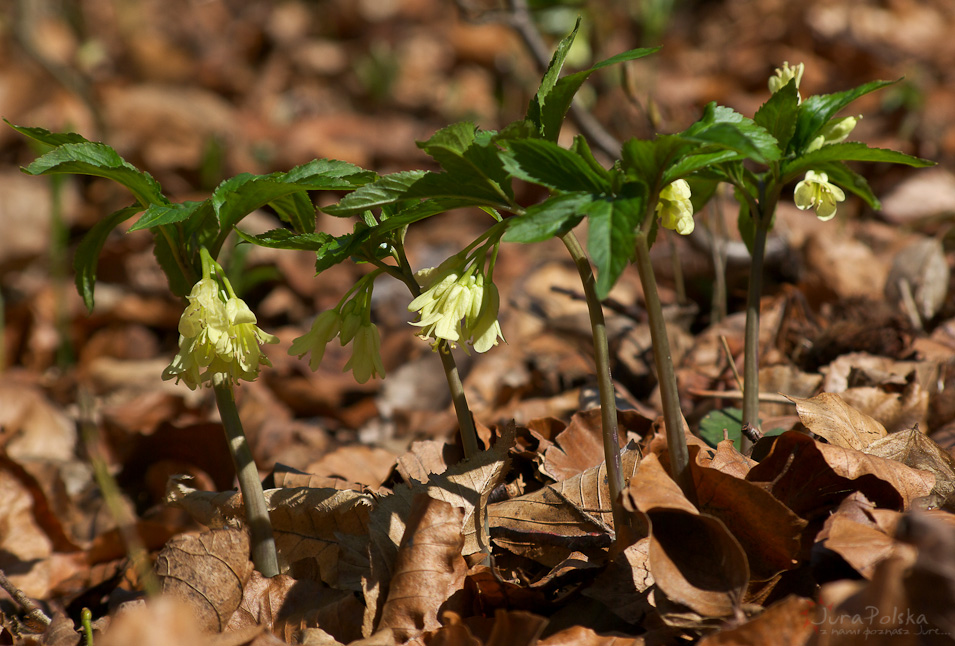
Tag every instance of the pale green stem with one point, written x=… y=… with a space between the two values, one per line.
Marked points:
x=264 y=555
x=666 y=375
x=608 y=400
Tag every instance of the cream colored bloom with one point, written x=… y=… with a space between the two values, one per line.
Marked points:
x=485 y=329
x=217 y=337
x=365 y=361
x=834 y=132
x=442 y=306
x=783 y=75
x=326 y=327
x=675 y=209
x=817 y=192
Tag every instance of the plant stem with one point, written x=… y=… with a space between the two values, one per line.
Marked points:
x=672 y=415
x=608 y=400
x=460 y=401
x=751 y=338
x=264 y=555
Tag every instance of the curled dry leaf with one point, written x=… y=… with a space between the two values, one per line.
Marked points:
x=811 y=478
x=428 y=570
x=894 y=410
x=915 y=449
x=695 y=560
x=625 y=585
x=207 y=571
x=828 y=416
x=160 y=622
x=768 y=530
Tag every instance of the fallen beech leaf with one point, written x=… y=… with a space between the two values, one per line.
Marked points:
x=625 y=584
x=550 y=523
x=307 y=522
x=159 y=622
x=784 y=622
x=919 y=279
x=426 y=457
x=367 y=465
x=583 y=636
x=862 y=545
x=580 y=445
x=695 y=560
x=930 y=582
x=915 y=449
x=811 y=478
x=768 y=531
x=207 y=571
x=515 y=628
x=828 y=416
x=894 y=410
x=726 y=460
x=428 y=570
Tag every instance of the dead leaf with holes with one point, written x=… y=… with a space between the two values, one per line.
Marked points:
x=698 y=567
x=828 y=416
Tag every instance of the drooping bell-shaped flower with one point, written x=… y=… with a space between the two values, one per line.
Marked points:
x=817 y=192
x=675 y=209
x=217 y=337
x=485 y=329
x=365 y=361
x=442 y=306
x=326 y=327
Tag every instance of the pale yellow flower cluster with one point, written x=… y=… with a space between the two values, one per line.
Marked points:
x=458 y=304
x=675 y=209
x=217 y=336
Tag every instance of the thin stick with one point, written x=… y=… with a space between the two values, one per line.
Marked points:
x=33 y=613
x=731 y=361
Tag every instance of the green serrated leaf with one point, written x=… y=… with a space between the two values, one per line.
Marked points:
x=44 y=136
x=286 y=239
x=849 y=151
x=161 y=214
x=816 y=111
x=469 y=158
x=722 y=126
x=328 y=174
x=88 y=250
x=557 y=101
x=297 y=209
x=552 y=217
x=778 y=114
x=611 y=237
x=546 y=163
x=385 y=190
x=549 y=80
x=99 y=160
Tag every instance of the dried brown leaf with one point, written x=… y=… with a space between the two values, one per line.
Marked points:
x=207 y=571
x=580 y=445
x=428 y=570
x=768 y=530
x=894 y=410
x=307 y=523
x=159 y=622
x=367 y=465
x=583 y=636
x=625 y=584
x=828 y=416
x=550 y=523
x=515 y=628
x=695 y=560
x=811 y=478
x=784 y=622
x=915 y=449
